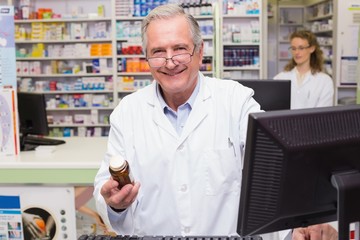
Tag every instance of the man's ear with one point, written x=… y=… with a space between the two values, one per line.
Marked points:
x=201 y=52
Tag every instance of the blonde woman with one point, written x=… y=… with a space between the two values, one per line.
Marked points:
x=310 y=85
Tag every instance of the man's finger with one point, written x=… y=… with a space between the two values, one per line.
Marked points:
x=107 y=188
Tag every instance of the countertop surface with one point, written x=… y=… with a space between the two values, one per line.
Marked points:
x=75 y=162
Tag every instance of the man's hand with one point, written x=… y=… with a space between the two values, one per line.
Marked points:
x=315 y=232
x=119 y=199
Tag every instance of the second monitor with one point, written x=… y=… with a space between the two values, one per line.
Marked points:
x=269 y=93
x=33 y=121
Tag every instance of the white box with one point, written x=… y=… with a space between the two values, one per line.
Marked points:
x=81 y=131
x=94 y=116
x=9 y=126
x=25 y=68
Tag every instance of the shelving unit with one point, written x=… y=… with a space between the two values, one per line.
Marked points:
x=87 y=58
x=69 y=59
x=242 y=56
x=290 y=19
x=319 y=20
x=132 y=71
x=346 y=52
x=335 y=36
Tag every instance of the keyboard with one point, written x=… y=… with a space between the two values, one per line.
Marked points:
x=122 y=237
x=37 y=141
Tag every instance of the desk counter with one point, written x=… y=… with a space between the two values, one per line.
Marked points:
x=75 y=163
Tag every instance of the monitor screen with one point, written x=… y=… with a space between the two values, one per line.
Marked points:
x=269 y=93
x=32 y=113
x=301 y=167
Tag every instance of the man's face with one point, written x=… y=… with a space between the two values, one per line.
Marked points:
x=169 y=37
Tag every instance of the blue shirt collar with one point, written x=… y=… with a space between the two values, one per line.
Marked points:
x=190 y=101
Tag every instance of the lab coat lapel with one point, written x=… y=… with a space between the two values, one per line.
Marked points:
x=162 y=121
x=200 y=110
x=158 y=115
x=198 y=113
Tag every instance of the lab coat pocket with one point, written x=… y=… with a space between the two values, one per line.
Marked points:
x=222 y=171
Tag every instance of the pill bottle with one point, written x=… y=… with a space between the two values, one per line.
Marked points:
x=120 y=171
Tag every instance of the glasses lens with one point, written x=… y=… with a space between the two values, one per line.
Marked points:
x=156 y=62
x=181 y=58
x=176 y=59
x=301 y=48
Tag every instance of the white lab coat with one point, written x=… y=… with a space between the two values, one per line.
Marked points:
x=317 y=90
x=190 y=184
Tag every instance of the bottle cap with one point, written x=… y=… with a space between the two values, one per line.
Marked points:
x=117 y=163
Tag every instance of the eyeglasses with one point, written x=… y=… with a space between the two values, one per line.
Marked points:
x=183 y=58
x=301 y=48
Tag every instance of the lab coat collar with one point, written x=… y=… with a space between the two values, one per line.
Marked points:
x=197 y=114
x=308 y=76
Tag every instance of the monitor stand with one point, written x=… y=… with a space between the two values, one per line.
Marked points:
x=24 y=146
x=348 y=209
x=28 y=147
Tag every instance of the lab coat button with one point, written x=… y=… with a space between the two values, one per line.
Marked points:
x=187 y=229
x=183 y=188
x=181 y=147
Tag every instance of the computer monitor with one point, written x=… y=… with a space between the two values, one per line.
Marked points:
x=33 y=120
x=301 y=167
x=269 y=93
x=32 y=113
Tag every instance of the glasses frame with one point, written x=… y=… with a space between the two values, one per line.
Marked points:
x=301 y=48
x=171 y=58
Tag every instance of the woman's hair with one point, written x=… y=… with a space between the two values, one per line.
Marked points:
x=316 y=57
x=168 y=11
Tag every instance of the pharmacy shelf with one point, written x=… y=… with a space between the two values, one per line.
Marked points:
x=350 y=86
x=79 y=125
x=326 y=32
x=62 y=20
x=130 y=18
x=77 y=40
x=74 y=92
x=80 y=108
x=241 y=33
x=113 y=79
x=60 y=58
x=240 y=44
x=313 y=3
x=246 y=16
x=327 y=16
x=290 y=19
x=319 y=19
x=250 y=68
x=134 y=74
x=130 y=56
x=66 y=41
x=64 y=75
